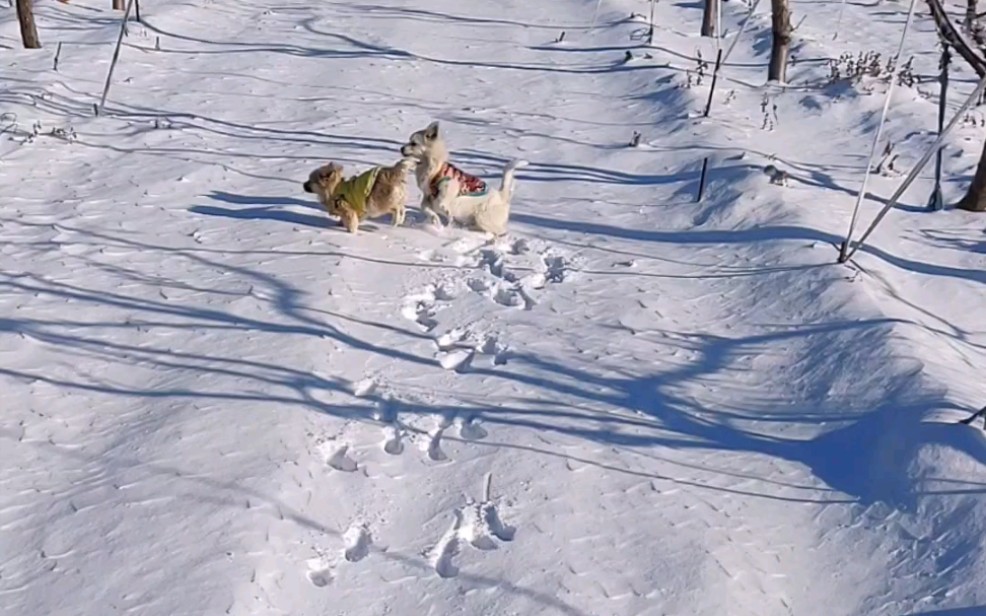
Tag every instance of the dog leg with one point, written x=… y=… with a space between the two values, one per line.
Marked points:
x=428 y=208
x=440 y=204
x=350 y=219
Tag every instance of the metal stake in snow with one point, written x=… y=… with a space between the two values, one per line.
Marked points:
x=650 y=24
x=937 y=202
x=116 y=56
x=879 y=134
x=914 y=172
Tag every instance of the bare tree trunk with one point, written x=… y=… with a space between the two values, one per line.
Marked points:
x=970 y=13
x=29 y=32
x=710 y=17
x=975 y=198
x=781 y=28
x=118 y=5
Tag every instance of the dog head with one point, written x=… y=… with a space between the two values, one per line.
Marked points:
x=420 y=143
x=323 y=180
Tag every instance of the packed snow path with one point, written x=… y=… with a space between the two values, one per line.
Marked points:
x=216 y=402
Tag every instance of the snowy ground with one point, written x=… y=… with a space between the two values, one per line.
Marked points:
x=217 y=402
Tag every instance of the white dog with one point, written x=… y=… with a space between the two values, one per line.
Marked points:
x=459 y=196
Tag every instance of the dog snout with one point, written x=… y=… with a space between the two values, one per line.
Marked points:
x=405 y=150
x=307 y=186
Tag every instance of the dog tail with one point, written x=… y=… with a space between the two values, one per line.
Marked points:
x=507 y=185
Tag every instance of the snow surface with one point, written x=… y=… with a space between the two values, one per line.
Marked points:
x=216 y=402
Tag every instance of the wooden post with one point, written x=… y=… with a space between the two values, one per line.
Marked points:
x=117 y=5
x=58 y=54
x=715 y=78
x=701 y=180
x=29 y=31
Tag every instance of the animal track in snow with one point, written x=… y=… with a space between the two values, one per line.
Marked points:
x=457 y=348
x=446 y=549
x=358 y=543
x=433 y=446
x=510 y=289
x=364 y=387
x=420 y=308
x=555 y=268
x=339 y=459
x=470 y=430
x=477 y=524
x=319 y=571
x=394 y=444
x=435 y=452
x=482 y=526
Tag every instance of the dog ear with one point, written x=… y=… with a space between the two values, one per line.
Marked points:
x=431 y=133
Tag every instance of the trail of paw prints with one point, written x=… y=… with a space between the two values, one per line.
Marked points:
x=517 y=285
x=428 y=437
x=477 y=525
x=458 y=348
x=469 y=429
x=422 y=306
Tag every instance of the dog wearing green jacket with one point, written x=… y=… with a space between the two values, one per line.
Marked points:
x=371 y=194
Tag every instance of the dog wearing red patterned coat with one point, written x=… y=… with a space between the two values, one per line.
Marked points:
x=449 y=191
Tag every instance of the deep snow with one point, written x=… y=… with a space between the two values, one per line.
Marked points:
x=217 y=402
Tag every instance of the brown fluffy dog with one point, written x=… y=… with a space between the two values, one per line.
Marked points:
x=385 y=192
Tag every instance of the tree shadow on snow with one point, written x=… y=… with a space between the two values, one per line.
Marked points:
x=864 y=458
x=959 y=611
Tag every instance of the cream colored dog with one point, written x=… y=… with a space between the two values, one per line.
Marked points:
x=451 y=192
x=371 y=194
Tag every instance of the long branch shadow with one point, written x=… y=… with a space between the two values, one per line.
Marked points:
x=374 y=10
x=362 y=50
x=978 y=610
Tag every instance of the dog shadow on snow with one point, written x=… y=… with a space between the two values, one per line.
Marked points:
x=263 y=208
x=275 y=208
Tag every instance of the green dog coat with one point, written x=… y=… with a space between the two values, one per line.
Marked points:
x=355 y=191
